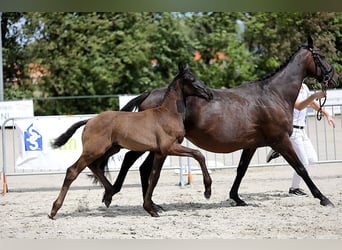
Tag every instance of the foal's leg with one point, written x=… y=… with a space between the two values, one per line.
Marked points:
x=245 y=159
x=71 y=174
x=145 y=172
x=287 y=151
x=98 y=168
x=179 y=150
x=153 y=179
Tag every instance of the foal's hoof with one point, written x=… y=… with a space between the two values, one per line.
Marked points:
x=150 y=207
x=326 y=202
x=152 y=211
x=51 y=217
x=157 y=207
x=153 y=214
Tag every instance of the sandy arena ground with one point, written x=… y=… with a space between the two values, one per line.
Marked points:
x=271 y=212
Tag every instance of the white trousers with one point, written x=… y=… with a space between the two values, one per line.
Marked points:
x=305 y=152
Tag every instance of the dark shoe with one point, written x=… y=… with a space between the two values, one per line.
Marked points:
x=272 y=155
x=296 y=192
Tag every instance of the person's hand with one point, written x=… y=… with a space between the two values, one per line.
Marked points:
x=331 y=121
x=319 y=95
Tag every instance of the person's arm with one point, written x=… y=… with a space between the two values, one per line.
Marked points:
x=311 y=101
x=308 y=101
x=330 y=120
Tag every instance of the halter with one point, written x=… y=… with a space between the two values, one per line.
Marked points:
x=326 y=77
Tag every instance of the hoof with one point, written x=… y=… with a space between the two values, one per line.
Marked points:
x=157 y=208
x=150 y=208
x=51 y=217
x=107 y=203
x=239 y=202
x=107 y=200
x=153 y=214
x=327 y=203
x=207 y=194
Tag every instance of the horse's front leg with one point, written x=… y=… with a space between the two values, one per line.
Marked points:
x=287 y=151
x=245 y=159
x=148 y=205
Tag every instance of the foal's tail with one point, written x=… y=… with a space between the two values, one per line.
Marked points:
x=135 y=102
x=63 y=138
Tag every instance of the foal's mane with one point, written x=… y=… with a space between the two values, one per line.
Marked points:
x=172 y=85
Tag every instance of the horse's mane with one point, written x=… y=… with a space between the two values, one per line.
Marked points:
x=282 y=66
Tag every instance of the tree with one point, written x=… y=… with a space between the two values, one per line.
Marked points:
x=274 y=36
x=88 y=54
x=13 y=57
x=102 y=53
x=224 y=58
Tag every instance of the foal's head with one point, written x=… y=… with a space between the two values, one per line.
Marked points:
x=190 y=84
x=320 y=68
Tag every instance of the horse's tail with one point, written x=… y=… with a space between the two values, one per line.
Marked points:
x=63 y=138
x=135 y=102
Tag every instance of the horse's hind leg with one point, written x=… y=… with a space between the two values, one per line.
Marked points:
x=71 y=174
x=129 y=159
x=245 y=159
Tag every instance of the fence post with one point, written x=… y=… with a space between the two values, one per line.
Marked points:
x=4 y=159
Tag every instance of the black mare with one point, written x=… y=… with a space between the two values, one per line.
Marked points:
x=254 y=114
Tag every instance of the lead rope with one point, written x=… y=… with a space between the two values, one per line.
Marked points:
x=321 y=102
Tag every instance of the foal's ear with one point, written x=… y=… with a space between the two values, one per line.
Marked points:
x=310 y=42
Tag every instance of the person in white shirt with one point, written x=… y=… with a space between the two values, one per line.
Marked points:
x=300 y=141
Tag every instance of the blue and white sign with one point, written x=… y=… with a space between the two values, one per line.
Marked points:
x=33 y=140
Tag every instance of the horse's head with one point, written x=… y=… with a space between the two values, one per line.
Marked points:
x=320 y=68
x=192 y=86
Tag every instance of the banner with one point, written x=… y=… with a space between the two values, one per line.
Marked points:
x=15 y=109
x=35 y=152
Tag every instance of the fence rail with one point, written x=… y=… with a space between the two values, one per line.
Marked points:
x=326 y=140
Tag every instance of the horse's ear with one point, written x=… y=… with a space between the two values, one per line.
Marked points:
x=310 y=42
x=180 y=67
x=187 y=67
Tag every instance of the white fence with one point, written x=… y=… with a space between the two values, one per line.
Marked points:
x=25 y=147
